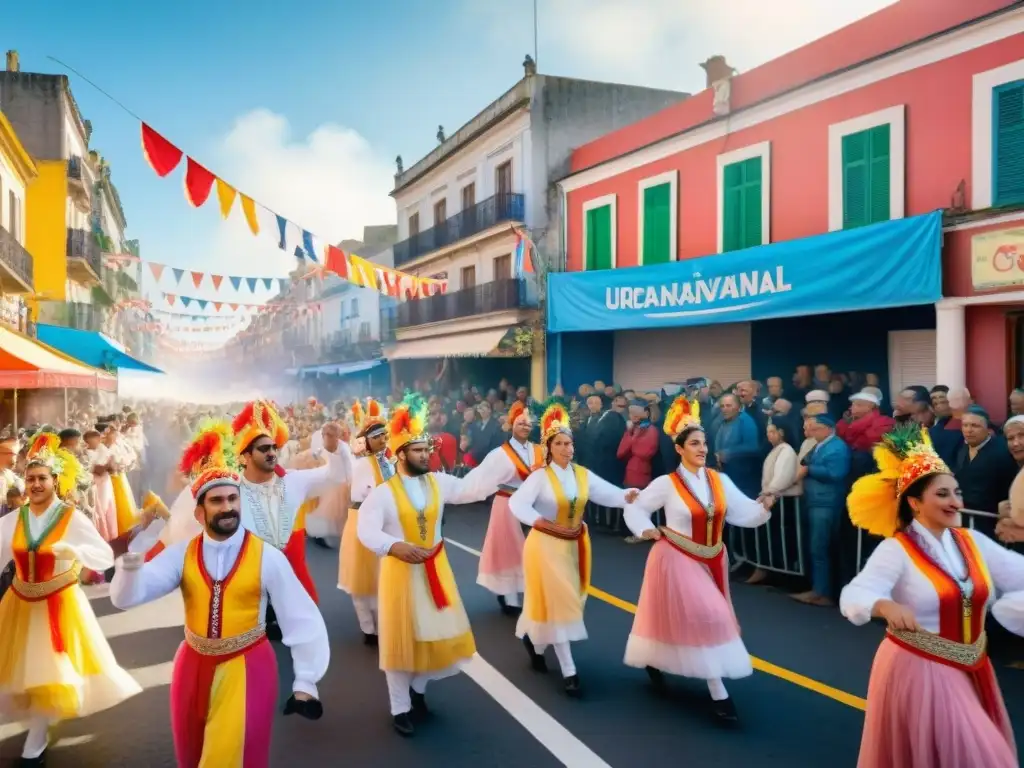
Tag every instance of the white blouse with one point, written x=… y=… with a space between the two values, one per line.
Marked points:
x=740 y=510
x=498 y=463
x=364 y=479
x=302 y=627
x=81 y=538
x=535 y=498
x=890 y=574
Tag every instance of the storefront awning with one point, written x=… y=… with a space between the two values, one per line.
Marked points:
x=474 y=344
x=92 y=348
x=334 y=369
x=28 y=364
x=891 y=264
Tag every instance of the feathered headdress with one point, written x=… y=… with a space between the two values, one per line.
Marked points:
x=554 y=418
x=258 y=419
x=374 y=420
x=408 y=423
x=516 y=412
x=45 y=451
x=682 y=414
x=904 y=456
x=210 y=459
x=358 y=415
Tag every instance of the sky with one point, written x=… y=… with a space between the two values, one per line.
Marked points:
x=306 y=110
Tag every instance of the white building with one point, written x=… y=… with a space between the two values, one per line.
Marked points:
x=458 y=208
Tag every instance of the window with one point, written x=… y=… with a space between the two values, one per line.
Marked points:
x=1008 y=144
x=12 y=214
x=414 y=225
x=467 y=277
x=599 y=233
x=468 y=196
x=355 y=308
x=657 y=222
x=503 y=267
x=744 y=197
x=440 y=211
x=503 y=178
x=866 y=174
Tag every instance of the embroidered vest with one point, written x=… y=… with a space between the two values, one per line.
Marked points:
x=34 y=561
x=418 y=526
x=229 y=607
x=522 y=470
x=570 y=511
x=707 y=519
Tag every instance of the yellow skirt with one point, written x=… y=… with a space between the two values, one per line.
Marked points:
x=40 y=681
x=416 y=636
x=124 y=503
x=357 y=565
x=556 y=591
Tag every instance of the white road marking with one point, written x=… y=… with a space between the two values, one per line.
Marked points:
x=166 y=612
x=463 y=547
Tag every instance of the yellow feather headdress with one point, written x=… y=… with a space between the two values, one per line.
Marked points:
x=408 y=423
x=904 y=456
x=682 y=414
x=554 y=419
x=45 y=451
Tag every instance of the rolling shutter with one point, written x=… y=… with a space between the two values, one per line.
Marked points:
x=599 y=238
x=657 y=224
x=1008 y=144
x=866 y=179
x=647 y=360
x=911 y=360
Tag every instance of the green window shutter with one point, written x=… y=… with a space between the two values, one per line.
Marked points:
x=1008 y=144
x=599 y=238
x=741 y=206
x=657 y=224
x=866 y=187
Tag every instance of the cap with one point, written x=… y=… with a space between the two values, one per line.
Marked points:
x=867 y=397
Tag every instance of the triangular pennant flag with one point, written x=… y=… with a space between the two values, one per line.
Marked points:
x=225 y=196
x=282 y=222
x=234 y=307
x=336 y=262
x=170 y=299
x=236 y=282
x=217 y=280
x=217 y=305
x=162 y=156
x=249 y=209
x=251 y=282
x=197 y=278
x=299 y=253
x=307 y=243
x=202 y=303
x=186 y=300
x=177 y=274
x=268 y=283
x=156 y=269
x=198 y=183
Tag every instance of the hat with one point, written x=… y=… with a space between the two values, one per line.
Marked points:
x=683 y=414
x=825 y=420
x=209 y=460
x=44 y=451
x=554 y=419
x=817 y=396
x=408 y=423
x=518 y=412
x=258 y=419
x=904 y=456
x=372 y=420
x=866 y=397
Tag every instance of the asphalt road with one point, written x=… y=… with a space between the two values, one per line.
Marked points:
x=802 y=707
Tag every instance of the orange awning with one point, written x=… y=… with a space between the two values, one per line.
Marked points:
x=28 y=364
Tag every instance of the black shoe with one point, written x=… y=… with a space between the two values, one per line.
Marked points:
x=310 y=709
x=274 y=633
x=369 y=639
x=657 y=678
x=508 y=610
x=403 y=724
x=572 y=687
x=725 y=710
x=536 y=660
x=419 y=704
x=33 y=762
x=320 y=542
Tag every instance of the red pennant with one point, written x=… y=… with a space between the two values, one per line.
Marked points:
x=336 y=261
x=217 y=305
x=170 y=299
x=234 y=307
x=162 y=156
x=217 y=280
x=198 y=183
x=197 y=278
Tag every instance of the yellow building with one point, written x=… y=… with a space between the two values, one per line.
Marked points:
x=17 y=173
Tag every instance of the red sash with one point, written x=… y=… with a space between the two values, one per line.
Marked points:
x=704 y=529
x=437 y=593
x=521 y=469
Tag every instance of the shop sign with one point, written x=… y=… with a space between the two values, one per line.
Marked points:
x=11 y=312
x=997 y=259
x=893 y=264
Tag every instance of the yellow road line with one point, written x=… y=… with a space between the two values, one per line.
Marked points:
x=761 y=665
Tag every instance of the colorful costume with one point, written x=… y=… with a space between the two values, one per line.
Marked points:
x=556 y=565
x=685 y=623
x=124 y=498
x=273 y=509
x=55 y=662
x=358 y=566
x=501 y=560
x=424 y=631
x=104 y=506
x=933 y=699
x=224 y=683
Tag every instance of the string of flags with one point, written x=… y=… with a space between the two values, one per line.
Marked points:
x=163 y=157
x=198 y=278
x=174 y=299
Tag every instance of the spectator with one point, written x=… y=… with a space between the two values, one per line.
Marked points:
x=638 y=446
x=604 y=443
x=817 y=402
x=862 y=431
x=1017 y=402
x=984 y=468
x=485 y=433
x=1010 y=527
x=903 y=406
x=738 y=446
x=778 y=478
x=788 y=420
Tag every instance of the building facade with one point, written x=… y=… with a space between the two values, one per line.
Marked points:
x=17 y=172
x=458 y=211
x=914 y=109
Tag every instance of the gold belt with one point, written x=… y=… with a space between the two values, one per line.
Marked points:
x=930 y=644
x=224 y=646
x=40 y=590
x=691 y=547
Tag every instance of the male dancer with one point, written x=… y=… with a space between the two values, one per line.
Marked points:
x=423 y=627
x=224 y=684
x=326 y=505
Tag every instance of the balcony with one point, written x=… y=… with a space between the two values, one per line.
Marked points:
x=15 y=265
x=505 y=207
x=80 y=183
x=496 y=296
x=84 y=259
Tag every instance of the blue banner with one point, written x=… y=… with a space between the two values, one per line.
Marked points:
x=892 y=264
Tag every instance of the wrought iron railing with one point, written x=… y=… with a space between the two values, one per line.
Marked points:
x=495 y=296
x=82 y=245
x=15 y=257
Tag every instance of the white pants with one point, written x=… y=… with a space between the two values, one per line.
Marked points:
x=399 y=684
x=366 y=612
x=564 y=654
x=512 y=600
x=35 y=741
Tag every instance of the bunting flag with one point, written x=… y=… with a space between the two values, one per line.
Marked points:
x=157 y=270
x=177 y=274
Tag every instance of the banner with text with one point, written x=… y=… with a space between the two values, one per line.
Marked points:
x=892 y=264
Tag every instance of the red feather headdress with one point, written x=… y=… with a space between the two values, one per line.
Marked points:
x=209 y=460
x=682 y=414
x=258 y=419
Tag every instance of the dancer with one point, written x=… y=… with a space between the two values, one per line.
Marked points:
x=357 y=565
x=326 y=503
x=224 y=684
x=685 y=623
x=501 y=560
x=933 y=699
x=122 y=461
x=556 y=556
x=55 y=663
x=424 y=631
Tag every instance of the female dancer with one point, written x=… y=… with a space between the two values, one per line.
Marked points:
x=685 y=623
x=933 y=699
x=556 y=556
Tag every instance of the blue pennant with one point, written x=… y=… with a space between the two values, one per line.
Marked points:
x=268 y=283
x=185 y=300
x=282 y=222
x=307 y=243
x=177 y=274
x=251 y=282
x=236 y=282
x=202 y=303
x=299 y=253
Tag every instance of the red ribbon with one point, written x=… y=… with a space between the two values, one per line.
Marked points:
x=437 y=592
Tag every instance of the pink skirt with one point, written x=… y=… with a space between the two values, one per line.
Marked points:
x=923 y=714
x=684 y=625
x=501 y=561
